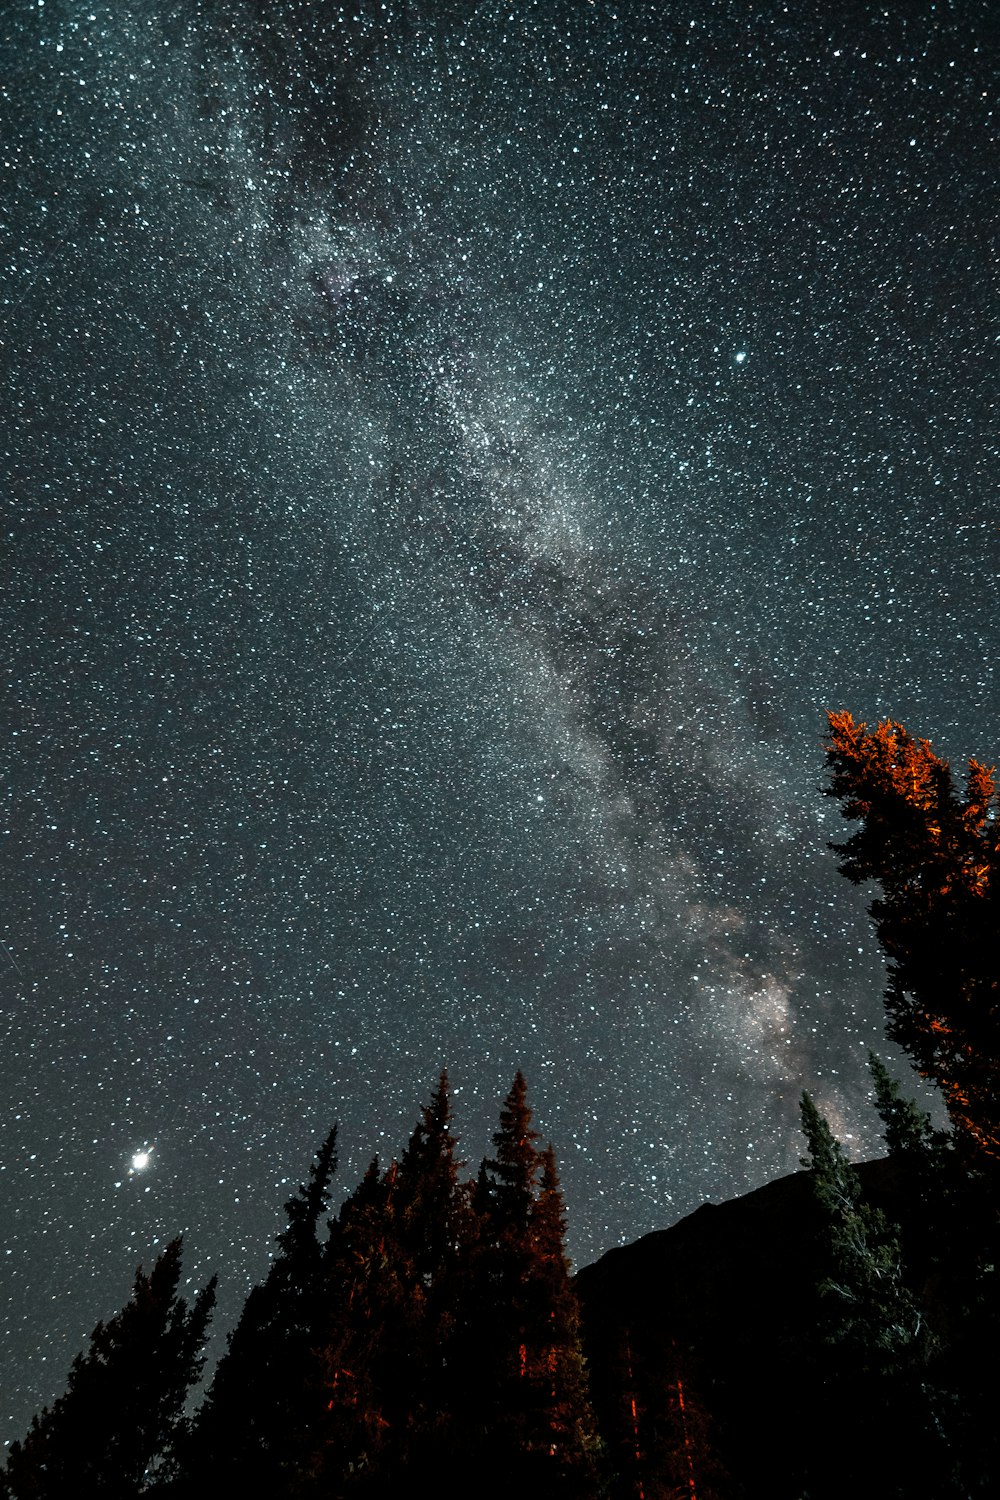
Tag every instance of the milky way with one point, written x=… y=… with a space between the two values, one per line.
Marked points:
x=455 y=454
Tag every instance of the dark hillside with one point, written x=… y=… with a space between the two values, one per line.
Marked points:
x=725 y=1304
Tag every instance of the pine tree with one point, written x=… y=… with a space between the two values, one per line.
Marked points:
x=877 y=1341
x=435 y=1232
x=936 y=857
x=933 y=1200
x=523 y=1370
x=362 y=1325
x=113 y=1433
x=906 y=1128
x=432 y=1208
x=870 y=1311
x=392 y=1279
x=503 y=1201
x=682 y=1460
x=511 y=1176
x=564 y=1431
x=255 y=1425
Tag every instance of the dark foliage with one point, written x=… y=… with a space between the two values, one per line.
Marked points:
x=527 y=1416
x=252 y=1426
x=434 y=1330
x=114 y=1432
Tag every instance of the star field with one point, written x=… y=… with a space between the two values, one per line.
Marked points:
x=455 y=454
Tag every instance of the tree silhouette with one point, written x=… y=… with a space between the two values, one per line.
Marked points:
x=433 y=1329
x=562 y=1420
x=387 y=1326
x=431 y=1209
x=113 y=1432
x=525 y=1369
x=878 y=1342
x=936 y=856
x=869 y=1309
x=435 y=1230
x=512 y=1174
x=362 y=1328
x=254 y=1426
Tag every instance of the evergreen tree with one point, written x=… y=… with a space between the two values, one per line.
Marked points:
x=936 y=857
x=906 y=1128
x=113 y=1433
x=254 y=1427
x=432 y=1209
x=492 y=1337
x=878 y=1342
x=927 y=1182
x=392 y=1282
x=869 y=1309
x=435 y=1232
x=527 y=1414
x=511 y=1176
x=562 y=1423
x=362 y=1329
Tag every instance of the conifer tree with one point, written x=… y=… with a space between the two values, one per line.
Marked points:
x=682 y=1459
x=530 y=1392
x=113 y=1432
x=254 y=1427
x=503 y=1200
x=564 y=1429
x=392 y=1278
x=876 y=1336
x=933 y=1198
x=511 y=1176
x=435 y=1233
x=936 y=857
x=869 y=1309
x=431 y=1206
x=906 y=1128
x=360 y=1330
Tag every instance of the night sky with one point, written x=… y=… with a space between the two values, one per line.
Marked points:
x=454 y=455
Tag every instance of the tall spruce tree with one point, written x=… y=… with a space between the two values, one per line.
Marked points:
x=869 y=1309
x=563 y=1423
x=931 y=1195
x=935 y=855
x=877 y=1342
x=512 y=1174
x=431 y=1206
x=682 y=1457
x=362 y=1331
x=435 y=1233
x=392 y=1276
x=253 y=1433
x=526 y=1376
x=504 y=1199
x=114 y=1431
x=906 y=1128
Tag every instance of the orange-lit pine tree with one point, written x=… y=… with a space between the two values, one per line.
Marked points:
x=936 y=856
x=387 y=1326
x=529 y=1375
